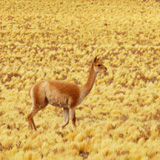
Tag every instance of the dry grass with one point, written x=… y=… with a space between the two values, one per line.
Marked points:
x=47 y=39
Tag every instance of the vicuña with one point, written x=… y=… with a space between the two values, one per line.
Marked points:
x=62 y=94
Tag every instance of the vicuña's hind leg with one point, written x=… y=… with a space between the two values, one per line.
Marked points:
x=32 y=113
x=33 y=124
x=30 y=116
x=66 y=117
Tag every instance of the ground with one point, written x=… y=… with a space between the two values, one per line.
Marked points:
x=48 y=39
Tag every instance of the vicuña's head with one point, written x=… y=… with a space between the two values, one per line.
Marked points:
x=98 y=66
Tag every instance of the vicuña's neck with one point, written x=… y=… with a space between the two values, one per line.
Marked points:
x=90 y=82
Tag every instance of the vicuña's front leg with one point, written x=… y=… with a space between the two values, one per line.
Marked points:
x=73 y=116
x=66 y=117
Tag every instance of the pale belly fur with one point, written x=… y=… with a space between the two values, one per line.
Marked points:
x=56 y=98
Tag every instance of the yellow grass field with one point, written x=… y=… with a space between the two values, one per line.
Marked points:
x=49 y=39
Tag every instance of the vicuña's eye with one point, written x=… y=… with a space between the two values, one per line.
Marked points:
x=99 y=65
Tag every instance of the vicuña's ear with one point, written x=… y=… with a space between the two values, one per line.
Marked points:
x=95 y=59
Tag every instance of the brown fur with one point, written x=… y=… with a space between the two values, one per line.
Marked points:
x=70 y=89
x=62 y=94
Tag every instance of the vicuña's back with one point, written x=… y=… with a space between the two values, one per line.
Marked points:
x=62 y=94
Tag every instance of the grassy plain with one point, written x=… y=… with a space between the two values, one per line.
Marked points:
x=48 y=39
